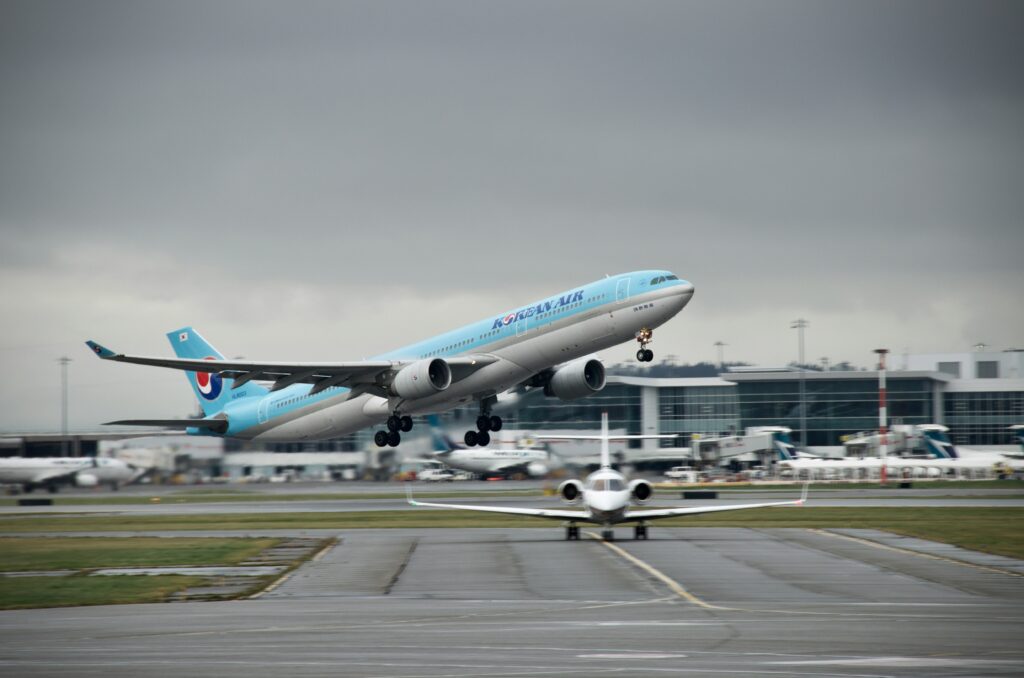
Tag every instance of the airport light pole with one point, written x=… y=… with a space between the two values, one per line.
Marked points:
x=800 y=324
x=883 y=416
x=64 y=360
x=721 y=356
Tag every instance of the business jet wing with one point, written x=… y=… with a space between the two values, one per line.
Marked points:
x=365 y=374
x=652 y=514
x=537 y=513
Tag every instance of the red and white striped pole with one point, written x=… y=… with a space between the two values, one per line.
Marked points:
x=883 y=419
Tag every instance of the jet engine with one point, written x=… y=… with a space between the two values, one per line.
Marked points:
x=421 y=379
x=576 y=380
x=86 y=480
x=571 y=491
x=536 y=469
x=640 y=491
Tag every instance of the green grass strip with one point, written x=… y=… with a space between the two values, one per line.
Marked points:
x=25 y=592
x=29 y=554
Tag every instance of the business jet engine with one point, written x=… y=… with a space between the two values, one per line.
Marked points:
x=86 y=480
x=536 y=469
x=576 y=380
x=640 y=491
x=421 y=379
x=571 y=491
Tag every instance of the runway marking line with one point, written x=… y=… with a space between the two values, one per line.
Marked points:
x=672 y=584
x=897 y=549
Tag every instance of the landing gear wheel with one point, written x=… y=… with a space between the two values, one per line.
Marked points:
x=648 y=355
x=470 y=438
x=394 y=423
x=572 y=532
x=641 y=355
x=381 y=438
x=483 y=423
x=483 y=438
x=406 y=424
x=644 y=337
x=608 y=535
x=640 y=532
x=394 y=438
x=495 y=423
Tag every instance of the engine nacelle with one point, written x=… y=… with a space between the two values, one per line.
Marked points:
x=640 y=491
x=421 y=379
x=571 y=491
x=86 y=480
x=537 y=469
x=576 y=380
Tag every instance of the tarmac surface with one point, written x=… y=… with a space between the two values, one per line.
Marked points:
x=524 y=602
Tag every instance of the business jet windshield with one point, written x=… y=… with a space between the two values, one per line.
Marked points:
x=607 y=485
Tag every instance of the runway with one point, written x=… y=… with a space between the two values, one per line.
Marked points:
x=523 y=602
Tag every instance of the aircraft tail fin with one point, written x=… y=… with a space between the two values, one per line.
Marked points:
x=1019 y=430
x=440 y=442
x=938 y=444
x=212 y=390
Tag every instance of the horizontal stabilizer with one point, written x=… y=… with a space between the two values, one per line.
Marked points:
x=214 y=425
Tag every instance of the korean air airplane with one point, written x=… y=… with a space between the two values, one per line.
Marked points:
x=544 y=344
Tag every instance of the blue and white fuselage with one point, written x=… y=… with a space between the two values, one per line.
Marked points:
x=319 y=401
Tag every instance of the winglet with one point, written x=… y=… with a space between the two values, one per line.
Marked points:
x=101 y=351
x=803 y=495
x=408 y=494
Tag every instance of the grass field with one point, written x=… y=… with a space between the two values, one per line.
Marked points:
x=22 y=554
x=26 y=592
x=990 y=529
x=230 y=494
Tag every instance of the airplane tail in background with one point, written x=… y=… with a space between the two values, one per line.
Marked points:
x=784 y=446
x=1019 y=430
x=212 y=390
x=938 y=444
x=440 y=442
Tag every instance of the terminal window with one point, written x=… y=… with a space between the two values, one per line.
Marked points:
x=987 y=369
x=950 y=368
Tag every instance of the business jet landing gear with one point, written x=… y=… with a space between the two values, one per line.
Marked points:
x=392 y=437
x=640 y=532
x=484 y=423
x=644 y=337
x=572 y=532
x=608 y=535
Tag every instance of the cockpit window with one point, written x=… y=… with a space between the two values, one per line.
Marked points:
x=607 y=484
x=600 y=485
x=615 y=485
x=671 y=277
x=659 y=279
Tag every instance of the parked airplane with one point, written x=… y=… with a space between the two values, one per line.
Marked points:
x=542 y=345
x=492 y=461
x=606 y=497
x=51 y=472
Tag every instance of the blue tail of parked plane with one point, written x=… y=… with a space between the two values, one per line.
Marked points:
x=212 y=390
x=938 y=444
x=784 y=445
x=439 y=440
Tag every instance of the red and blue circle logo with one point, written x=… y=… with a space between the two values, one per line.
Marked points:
x=508 y=319
x=209 y=385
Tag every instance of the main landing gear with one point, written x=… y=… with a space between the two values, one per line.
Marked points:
x=392 y=436
x=572 y=532
x=608 y=535
x=640 y=532
x=484 y=423
x=644 y=337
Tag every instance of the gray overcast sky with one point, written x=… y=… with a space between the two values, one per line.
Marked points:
x=327 y=180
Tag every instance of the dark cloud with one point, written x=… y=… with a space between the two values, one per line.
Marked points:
x=792 y=158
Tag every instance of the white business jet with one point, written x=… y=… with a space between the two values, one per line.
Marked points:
x=51 y=472
x=606 y=497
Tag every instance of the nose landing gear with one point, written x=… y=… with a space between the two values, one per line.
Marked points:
x=644 y=337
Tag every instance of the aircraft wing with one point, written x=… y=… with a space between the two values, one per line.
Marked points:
x=56 y=474
x=652 y=514
x=537 y=513
x=367 y=374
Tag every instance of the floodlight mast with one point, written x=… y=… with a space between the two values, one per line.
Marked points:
x=883 y=448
